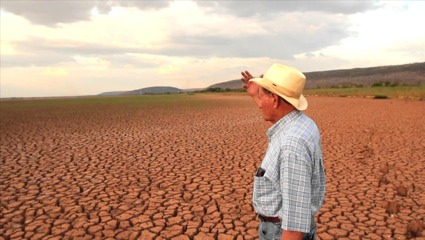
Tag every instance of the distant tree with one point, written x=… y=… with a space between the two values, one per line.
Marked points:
x=394 y=84
x=215 y=89
x=377 y=84
x=380 y=97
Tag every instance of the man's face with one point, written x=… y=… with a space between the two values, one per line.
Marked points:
x=266 y=104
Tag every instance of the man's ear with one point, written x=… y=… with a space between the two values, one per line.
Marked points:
x=276 y=101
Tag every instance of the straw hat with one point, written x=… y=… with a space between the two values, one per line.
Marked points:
x=285 y=81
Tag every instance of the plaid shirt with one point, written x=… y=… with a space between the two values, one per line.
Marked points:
x=294 y=184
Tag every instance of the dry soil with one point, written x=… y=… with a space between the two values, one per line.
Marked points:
x=184 y=169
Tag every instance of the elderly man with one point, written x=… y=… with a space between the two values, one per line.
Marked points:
x=290 y=184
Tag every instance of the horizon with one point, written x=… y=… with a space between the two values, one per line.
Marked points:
x=183 y=89
x=97 y=47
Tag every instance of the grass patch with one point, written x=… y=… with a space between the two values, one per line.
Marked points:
x=96 y=101
x=90 y=104
x=406 y=92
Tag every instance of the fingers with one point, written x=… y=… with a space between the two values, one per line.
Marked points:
x=246 y=76
x=249 y=74
x=244 y=80
x=251 y=87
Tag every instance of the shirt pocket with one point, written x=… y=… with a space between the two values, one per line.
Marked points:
x=263 y=192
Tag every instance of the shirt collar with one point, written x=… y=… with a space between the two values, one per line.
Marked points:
x=279 y=125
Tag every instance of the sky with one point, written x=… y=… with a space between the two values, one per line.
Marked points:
x=73 y=48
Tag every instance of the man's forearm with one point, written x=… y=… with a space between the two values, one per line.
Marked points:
x=252 y=91
x=290 y=235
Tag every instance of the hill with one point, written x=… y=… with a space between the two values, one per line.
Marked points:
x=141 y=91
x=115 y=93
x=407 y=74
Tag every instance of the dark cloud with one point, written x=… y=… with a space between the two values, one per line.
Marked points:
x=44 y=52
x=283 y=41
x=281 y=46
x=144 y=4
x=285 y=38
x=51 y=12
x=267 y=8
x=48 y=12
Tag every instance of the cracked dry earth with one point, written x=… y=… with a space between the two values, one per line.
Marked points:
x=181 y=167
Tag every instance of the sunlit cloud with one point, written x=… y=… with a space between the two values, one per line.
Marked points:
x=55 y=72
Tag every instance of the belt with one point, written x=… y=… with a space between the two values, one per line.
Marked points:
x=269 y=219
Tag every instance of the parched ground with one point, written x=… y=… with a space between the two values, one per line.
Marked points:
x=182 y=168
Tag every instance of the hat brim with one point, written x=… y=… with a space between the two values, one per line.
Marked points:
x=299 y=103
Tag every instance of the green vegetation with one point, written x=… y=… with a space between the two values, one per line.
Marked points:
x=218 y=89
x=169 y=102
x=378 y=91
x=101 y=104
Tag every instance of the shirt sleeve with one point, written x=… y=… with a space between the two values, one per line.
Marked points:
x=295 y=183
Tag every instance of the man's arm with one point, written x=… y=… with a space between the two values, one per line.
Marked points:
x=250 y=87
x=295 y=186
x=290 y=235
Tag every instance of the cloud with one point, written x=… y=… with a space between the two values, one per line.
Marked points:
x=270 y=8
x=41 y=52
x=111 y=45
x=282 y=37
x=173 y=33
x=47 y=12
x=50 y=13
